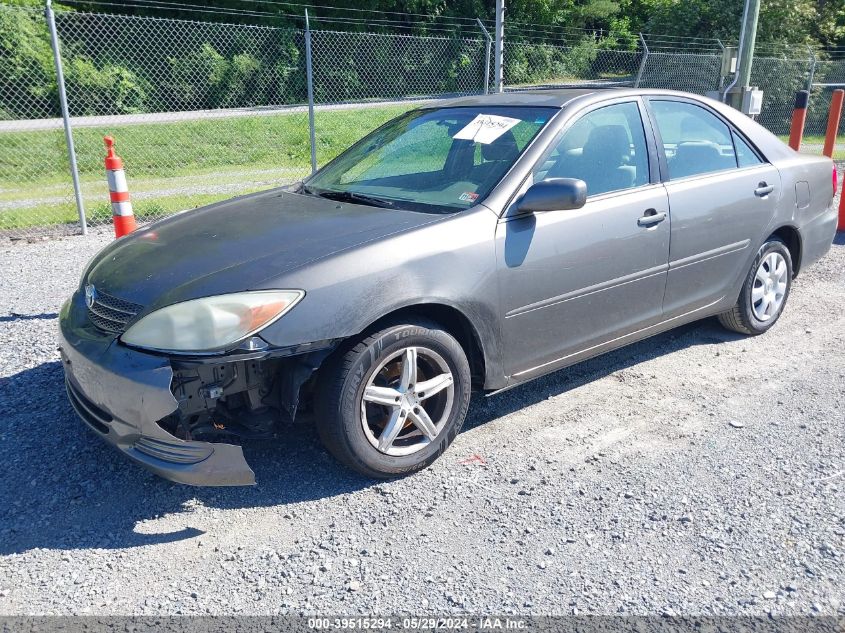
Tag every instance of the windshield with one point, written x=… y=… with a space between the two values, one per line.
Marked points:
x=437 y=160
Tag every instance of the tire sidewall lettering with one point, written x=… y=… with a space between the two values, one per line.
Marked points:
x=355 y=382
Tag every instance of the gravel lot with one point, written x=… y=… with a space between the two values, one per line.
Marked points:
x=699 y=472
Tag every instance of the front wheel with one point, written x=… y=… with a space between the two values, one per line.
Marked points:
x=764 y=292
x=394 y=402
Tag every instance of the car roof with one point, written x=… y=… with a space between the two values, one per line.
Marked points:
x=562 y=97
x=555 y=98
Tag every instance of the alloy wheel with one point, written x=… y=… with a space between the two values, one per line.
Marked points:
x=407 y=401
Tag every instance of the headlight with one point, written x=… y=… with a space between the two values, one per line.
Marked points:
x=212 y=323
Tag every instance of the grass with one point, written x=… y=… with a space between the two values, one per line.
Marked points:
x=180 y=165
x=98 y=213
x=169 y=166
x=817 y=140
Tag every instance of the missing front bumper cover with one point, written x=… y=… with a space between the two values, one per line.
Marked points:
x=122 y=393
x=188 y=462
x=181 y=418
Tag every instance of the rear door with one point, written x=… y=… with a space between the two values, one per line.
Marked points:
x=722 y=194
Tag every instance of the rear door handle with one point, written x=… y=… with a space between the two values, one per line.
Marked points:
x=763 y=190
x=651 y=218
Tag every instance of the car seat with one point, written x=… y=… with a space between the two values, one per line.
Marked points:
x=698 y=157
x=498 y=156
x=603 y=162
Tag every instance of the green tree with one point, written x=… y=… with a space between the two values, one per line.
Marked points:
x=792 y=22
x=108 y=89
x=26 y=65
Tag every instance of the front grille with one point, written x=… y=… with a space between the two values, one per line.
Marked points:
x=112 y=314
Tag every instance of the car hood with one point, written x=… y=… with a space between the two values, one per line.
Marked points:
x=234 y=245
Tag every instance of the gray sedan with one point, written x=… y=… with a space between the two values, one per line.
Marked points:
x=474 y=245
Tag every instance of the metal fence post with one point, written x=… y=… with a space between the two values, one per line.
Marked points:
x=489 y=41
x=642 y=62
x=812 y=73
x=60 y=80
x=721 y=76
x=310 y=79
x=500 y=46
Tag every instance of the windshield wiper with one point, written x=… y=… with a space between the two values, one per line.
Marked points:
x=349 y=196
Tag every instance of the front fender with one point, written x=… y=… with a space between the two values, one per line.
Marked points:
x=450 y=263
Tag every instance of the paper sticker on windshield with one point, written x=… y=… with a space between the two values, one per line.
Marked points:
x=486 y=128
x=468 y=196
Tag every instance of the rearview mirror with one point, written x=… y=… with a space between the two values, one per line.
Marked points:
x=554 y=194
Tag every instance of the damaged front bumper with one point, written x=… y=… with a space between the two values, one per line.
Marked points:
x=122 y=394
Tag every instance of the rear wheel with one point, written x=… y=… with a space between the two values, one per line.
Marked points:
x=764 y=292
x=394 y=402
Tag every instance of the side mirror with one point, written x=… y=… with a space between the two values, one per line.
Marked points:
x=554 y=194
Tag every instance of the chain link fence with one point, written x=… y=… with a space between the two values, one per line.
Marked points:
x=827 y=76
x=202 y=111
x=780 y=79
x=360 y=67
x=530 y=65
x=699 y=73
x=30 y=162
x=362 y=80
x=699 y=70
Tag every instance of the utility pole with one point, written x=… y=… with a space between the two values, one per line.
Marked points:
x=500 y=45
x=747 y=40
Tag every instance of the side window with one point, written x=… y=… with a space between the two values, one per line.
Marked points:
x=745 y=156
x=694 y=140
x=605 y=148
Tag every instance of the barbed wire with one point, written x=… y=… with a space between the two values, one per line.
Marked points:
x=357 y=10
x=194 y=8
x=393 y=24
x=163 y=5
x=185 y=6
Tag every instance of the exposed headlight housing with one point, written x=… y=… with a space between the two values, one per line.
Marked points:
x=210 y=324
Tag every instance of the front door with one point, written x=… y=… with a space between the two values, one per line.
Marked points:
x=571 y=280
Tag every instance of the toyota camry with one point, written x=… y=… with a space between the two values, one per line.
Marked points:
x=469 y=246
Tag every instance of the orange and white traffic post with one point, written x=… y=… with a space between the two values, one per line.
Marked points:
x=833 y=117
x=121 y=207
x=799 y=118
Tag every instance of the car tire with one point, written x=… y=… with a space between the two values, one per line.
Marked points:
x=367 y=393
x=764 y=292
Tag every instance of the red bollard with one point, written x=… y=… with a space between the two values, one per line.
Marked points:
x=799 y=117
x=833 y=122
x=121 y=207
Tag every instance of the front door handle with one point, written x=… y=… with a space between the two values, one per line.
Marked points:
x=763 y=190
x=651 y=218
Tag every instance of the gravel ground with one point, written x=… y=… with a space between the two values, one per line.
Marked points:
x=699 y=472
